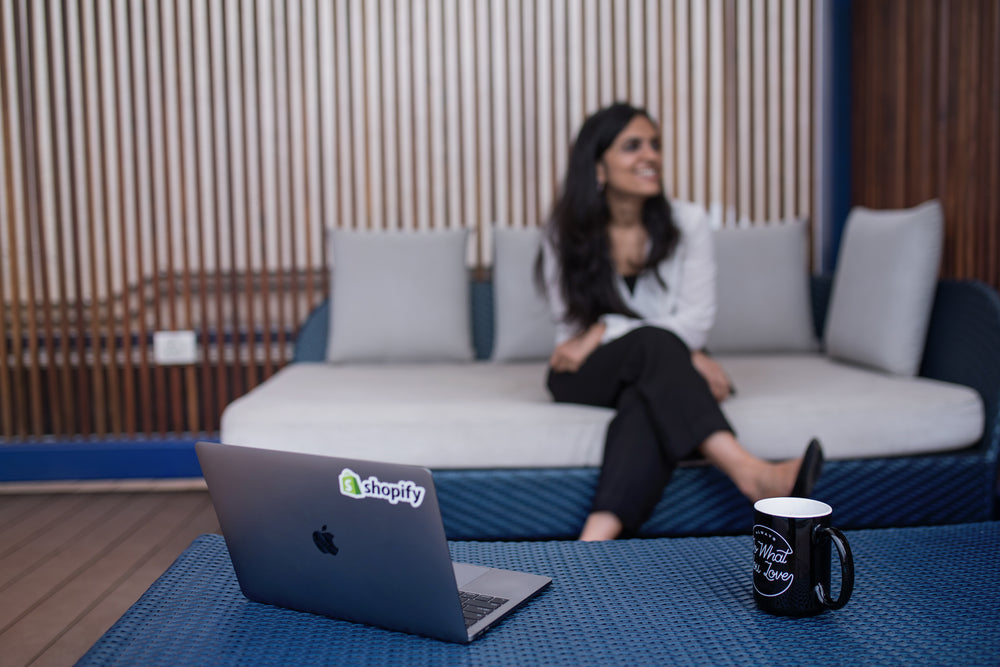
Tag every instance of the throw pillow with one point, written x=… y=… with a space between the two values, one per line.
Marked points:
x=883 y=287
x=762 y=289
x=523 y=327
x=399 y=296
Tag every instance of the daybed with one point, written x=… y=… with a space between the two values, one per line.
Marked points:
x=903 y=448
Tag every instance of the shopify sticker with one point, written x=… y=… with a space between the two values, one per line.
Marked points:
x=352 y=486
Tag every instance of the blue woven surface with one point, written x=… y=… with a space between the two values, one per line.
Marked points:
x=868 y=493
x=922 y=596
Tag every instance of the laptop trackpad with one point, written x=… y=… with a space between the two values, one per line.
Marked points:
x=464 y=573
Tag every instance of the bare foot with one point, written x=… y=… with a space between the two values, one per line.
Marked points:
x=773 y=479
x=601 y=526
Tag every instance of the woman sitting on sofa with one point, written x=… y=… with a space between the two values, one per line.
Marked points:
x=630 y=279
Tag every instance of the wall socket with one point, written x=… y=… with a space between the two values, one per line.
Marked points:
x=175 y=347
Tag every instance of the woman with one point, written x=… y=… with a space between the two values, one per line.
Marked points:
x=631 y=283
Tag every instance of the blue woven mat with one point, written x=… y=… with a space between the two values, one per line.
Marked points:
x=922 y=596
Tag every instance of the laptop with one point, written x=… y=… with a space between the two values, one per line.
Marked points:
x=355 y=540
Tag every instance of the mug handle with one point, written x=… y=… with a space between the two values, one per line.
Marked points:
x=846 y=570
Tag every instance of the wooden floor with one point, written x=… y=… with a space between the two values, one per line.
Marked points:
x=73 y=560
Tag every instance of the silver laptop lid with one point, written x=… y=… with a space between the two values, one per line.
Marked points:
x=355 y=540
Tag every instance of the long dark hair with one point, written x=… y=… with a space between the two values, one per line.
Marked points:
x=579 y=223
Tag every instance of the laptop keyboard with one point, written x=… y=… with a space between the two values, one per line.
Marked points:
x=475 y=607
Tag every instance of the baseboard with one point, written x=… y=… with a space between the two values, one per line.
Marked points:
x=98 y=460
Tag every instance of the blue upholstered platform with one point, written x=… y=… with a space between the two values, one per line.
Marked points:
x=922 y=596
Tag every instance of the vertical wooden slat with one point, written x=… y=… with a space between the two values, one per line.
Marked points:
x=63 y=217
x=653 y=61
x=668 y=95
x=204 y=391
x=730 y=150
x=528 y=114
x=789 y=171
x=249 y=223
x=423 y=78
x=46 y=231
x=636 y=45
x=484 y=121
x=715 y=103
x=93 y=189
x=744 y=112
x=404 y=117
x=698 y=75
x=154 y=198
x=220 y=201
x=990 y=176
x=369 y=100
x=174 y=253
x=125 y=209
x=232 y=218
x=77 y=221
x=142 y=213
x=265 y=251
x=311 y=224
x=515 y=101
x=501 y=141
x=590 y=75
x=113 y=251
x=32 y=216
x=11 y=393
x=388 y=77
x=545 y=140
x=452 y=174
x=283 y=224
x=467 y=102
x=803 y=110
x=969 y=136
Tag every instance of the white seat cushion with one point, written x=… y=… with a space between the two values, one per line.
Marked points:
x=460 y=415
x=784 y=400
x=489 y=415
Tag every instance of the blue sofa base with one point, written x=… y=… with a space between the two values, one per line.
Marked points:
x=963 y=346
x=700 y=500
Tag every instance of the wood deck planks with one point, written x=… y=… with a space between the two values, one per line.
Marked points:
x=86 y=559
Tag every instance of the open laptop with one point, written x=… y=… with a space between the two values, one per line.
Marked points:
x=354 y=540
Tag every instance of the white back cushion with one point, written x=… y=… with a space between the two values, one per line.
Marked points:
x=522 y=324
x=883 y=287
x=762 y=286
x=399 y=296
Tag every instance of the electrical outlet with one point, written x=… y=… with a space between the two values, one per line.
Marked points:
x=175 y=347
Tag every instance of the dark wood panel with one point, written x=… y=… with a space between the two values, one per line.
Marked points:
x=926 y=113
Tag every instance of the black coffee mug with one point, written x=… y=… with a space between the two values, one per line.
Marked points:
x=791 y=557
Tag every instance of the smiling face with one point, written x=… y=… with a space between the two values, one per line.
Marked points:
x=630 y=168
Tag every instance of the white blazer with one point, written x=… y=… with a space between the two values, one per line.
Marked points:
x=687 y=305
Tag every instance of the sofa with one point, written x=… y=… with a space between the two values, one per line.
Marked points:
x=897 y=373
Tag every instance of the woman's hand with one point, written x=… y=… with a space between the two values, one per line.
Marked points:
x=718 y=382
x=570 y=354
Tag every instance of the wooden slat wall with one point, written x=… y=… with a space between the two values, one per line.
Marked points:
x=173 y=164
x=926 y=113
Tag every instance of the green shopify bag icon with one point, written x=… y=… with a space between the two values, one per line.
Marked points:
x=350 y=484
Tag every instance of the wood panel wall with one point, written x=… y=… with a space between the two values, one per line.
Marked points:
x=173 y=164
x=926 y=119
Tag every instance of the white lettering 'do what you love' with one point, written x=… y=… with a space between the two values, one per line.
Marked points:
x=772 y=572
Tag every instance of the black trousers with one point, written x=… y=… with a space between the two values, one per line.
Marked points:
x=665 y=410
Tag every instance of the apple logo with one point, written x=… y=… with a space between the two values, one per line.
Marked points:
x=324 y=541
